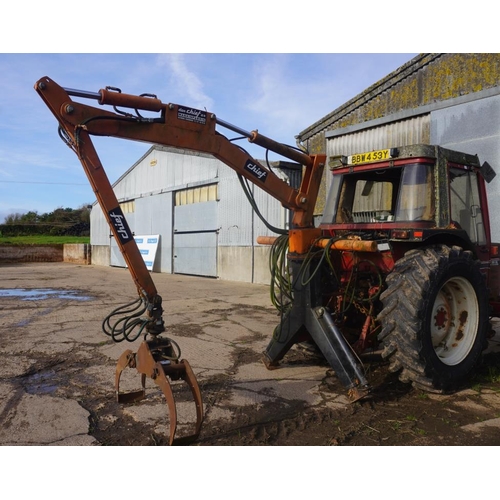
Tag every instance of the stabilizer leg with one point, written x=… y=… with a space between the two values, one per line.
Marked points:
x=285 y=335
x=307 y=315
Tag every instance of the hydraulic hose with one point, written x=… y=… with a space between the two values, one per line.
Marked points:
x=131 y=318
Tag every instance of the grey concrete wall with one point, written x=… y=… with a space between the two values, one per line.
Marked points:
x=77 y=253
x=101 y=255
x=237 y=264
x=261 y=273
x=233 y=263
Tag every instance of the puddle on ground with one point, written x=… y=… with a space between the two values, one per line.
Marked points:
x=41 y=383
x=43 y=293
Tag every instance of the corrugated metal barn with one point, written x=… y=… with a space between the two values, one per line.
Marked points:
x=452 y=100
x=197 y=207
x=206 y=225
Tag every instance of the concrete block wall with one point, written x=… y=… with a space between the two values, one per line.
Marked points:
x=233 y=263
x=31 y=253
x=101 y=255
x=75 y=253
x=240 y=264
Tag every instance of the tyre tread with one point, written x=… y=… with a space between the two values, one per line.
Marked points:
x=404 y=301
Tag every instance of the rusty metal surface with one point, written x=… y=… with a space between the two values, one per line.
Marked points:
x=152 y=360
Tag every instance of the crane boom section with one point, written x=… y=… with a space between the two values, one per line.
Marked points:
x=179 y=127
x=185 y=128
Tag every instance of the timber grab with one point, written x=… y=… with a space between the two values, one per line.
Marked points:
x=183 y=127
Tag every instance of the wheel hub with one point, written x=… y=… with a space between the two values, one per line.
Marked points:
x=441 y=318
x=454 y=320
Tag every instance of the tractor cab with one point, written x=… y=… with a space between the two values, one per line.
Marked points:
x=409 y=195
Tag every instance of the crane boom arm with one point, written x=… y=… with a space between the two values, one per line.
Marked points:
x=177 y=126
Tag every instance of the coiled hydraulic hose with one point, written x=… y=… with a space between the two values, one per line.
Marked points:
x=131 y=318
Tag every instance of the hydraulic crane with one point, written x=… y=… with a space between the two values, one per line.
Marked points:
x=188 y=128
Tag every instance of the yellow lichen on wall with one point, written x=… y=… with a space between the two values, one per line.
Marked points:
x=446 y=77
x=453 y=75
x=432 y=78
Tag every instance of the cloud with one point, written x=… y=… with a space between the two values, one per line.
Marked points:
x=290 y=92
x=32 y=160
x=184 y=82
x=285 y=99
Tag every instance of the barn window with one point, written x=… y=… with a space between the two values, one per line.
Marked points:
x=128 y=207
x=198 y=194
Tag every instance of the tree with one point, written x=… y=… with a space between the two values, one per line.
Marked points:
x=60 y=221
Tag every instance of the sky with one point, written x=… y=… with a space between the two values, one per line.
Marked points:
x=279 y=94
x=257 y=66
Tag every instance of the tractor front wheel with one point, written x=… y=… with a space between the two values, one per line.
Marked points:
x=435 y=317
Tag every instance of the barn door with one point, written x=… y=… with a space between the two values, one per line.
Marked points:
x=196 y=231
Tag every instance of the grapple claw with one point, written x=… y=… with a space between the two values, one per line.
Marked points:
x=127 y=359
x=155 y=359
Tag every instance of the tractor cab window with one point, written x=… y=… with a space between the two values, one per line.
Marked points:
x=416 y=196
x=367 y=196
x=386 y=195
x=465 y=204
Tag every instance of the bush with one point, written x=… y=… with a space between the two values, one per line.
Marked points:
x=80 y=229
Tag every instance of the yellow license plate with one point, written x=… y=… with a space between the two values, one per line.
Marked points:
x=381 y=154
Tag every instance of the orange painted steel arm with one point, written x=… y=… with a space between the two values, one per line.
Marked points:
x=192 y=129
x=58 y=102
x=346 y=245
x=266 y=240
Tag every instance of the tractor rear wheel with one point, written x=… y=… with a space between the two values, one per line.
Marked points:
x=435 y=317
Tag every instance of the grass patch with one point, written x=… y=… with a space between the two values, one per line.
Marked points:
x=42 y=240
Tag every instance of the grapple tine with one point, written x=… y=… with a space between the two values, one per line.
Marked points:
x=124 y=361
x=127 y=360
x=182 y=370
x=162 y=382
x=190 y=378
